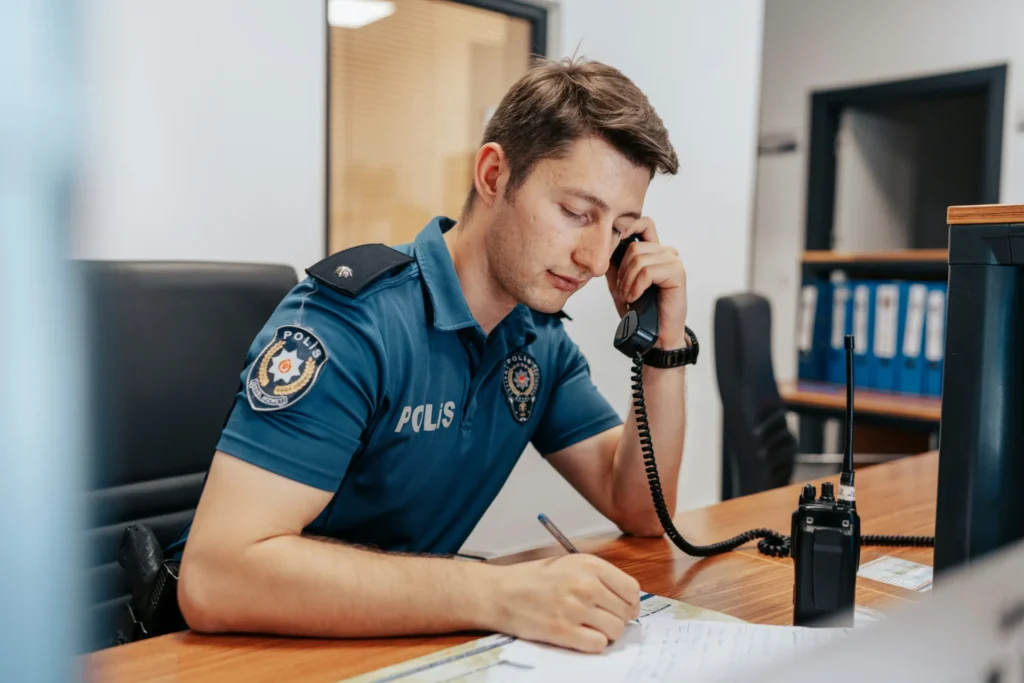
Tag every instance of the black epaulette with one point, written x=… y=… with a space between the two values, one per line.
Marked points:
x=350 y=270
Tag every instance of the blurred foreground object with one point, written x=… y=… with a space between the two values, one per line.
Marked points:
x=968 y=629
x=41 y=430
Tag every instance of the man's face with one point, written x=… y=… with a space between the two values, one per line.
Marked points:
x=564 y=222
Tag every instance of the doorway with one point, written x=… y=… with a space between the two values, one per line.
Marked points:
x=410 y=87
x=887 y=159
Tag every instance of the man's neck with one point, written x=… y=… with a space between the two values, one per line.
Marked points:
x=488 y=301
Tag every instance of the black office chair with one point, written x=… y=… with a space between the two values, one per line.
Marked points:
x=168 y=341
x=759 y=451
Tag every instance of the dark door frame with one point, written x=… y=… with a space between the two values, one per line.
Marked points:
x=827 y=106
x=536 y=15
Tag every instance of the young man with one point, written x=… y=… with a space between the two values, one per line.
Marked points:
x=391 y=393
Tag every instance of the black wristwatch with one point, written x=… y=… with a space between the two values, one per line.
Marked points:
x=659 y=358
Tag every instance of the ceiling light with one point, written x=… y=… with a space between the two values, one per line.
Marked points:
x=357 y=13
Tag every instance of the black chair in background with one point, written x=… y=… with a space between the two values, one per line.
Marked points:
x=759 y=452
x=167 y=342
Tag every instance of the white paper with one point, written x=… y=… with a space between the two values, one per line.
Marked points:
x=809 y=306
x=664 y=647
x=860 y=319
x=839 y=296
x=483 y=660
x=933 y=350
x=915 y=321
x=887 y=305
x=898 y=572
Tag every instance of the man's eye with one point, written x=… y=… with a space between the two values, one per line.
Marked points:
x=574 y=216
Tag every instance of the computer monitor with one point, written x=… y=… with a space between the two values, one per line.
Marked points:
x=980 y=501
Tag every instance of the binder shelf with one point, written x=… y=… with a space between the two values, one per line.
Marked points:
x=919 y=263
x=831 y=398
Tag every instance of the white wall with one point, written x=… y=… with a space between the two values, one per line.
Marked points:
x=205 y=136
x=699 y=63
x=875 y=193
x=828 y=44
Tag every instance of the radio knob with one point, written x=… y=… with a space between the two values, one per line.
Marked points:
x=826 y=492
x=807 y=496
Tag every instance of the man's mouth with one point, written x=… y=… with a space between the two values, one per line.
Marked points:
x=565 y=282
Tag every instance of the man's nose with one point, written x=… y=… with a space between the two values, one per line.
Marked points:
x=593 y=252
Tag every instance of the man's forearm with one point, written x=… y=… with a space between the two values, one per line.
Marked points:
x=665 y=399
x=303 y=586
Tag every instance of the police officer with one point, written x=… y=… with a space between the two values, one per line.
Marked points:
x=391 y=393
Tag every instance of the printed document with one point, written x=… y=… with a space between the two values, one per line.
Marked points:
x=670 y=641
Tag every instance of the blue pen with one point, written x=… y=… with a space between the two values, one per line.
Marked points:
x=559 y=536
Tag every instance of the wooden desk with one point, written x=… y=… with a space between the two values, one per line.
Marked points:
x=832 y=398
x=895 y=498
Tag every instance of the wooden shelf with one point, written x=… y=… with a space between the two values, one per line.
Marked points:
x=826 y=396
x=985 y=213
x=924 y=263
x=839 y=258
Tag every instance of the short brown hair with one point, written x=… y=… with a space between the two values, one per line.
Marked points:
x=556 y=103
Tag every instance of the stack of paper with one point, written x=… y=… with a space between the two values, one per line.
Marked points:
x=662 y=648
x=671 y=641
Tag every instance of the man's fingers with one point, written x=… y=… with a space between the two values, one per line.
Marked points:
x=604 y=622
x=651 y=255
x=582 y=638
x=622 y=608
x=644 y=226
x=635 y=265
x=624 y=586
x=658 y=273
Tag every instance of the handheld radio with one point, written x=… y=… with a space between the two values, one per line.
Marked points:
x=826 y=538
x=825 y=551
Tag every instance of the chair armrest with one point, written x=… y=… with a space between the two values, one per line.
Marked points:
x=837 y=458
x=820 y=458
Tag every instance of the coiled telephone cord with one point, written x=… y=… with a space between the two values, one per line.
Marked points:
x=772 y=542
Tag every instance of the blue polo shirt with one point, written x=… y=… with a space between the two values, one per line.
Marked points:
x=397 y=402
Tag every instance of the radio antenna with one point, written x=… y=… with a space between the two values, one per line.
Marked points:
x=846 y=490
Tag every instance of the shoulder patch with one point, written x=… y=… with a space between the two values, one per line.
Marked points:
x=350 y=270
x=286 y=369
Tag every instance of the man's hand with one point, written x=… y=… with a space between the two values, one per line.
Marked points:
x=575 y=601
x=649 y=263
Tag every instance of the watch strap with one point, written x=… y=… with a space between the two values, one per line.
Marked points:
x=673 y=358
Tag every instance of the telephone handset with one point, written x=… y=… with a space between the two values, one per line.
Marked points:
x=638 y=329
x=635 y=336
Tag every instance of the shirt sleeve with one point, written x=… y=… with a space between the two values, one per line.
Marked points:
x=312 y=435
x=576 y=410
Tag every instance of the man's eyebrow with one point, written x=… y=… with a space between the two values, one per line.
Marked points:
x=597 y=201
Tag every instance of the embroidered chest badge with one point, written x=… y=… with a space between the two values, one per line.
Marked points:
x=286 y=369
x=520 y=383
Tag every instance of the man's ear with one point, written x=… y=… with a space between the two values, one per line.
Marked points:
x=490 y=172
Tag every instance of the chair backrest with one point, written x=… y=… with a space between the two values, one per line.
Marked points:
x=758 y=446
x=167 y=342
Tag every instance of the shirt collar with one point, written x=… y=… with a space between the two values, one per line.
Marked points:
x=449 y=309
x=448 y=305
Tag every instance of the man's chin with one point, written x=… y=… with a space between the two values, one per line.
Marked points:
x=549 y=302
